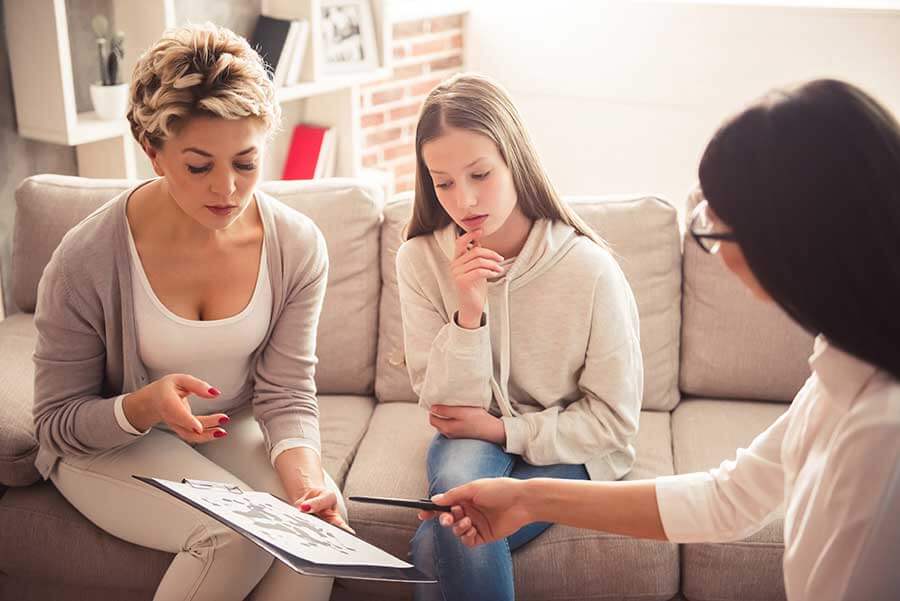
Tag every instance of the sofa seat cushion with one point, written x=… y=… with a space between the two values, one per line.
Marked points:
x=643 y=235
x=42 y=537
x=705 y=433
x=343 y=421
x=563 y=563
x=22 y=589
x=17 y=444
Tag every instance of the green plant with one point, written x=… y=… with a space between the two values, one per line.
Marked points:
x=110 y=50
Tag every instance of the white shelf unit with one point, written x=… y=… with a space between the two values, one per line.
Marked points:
x=37 y=34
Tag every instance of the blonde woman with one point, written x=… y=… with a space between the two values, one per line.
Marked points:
x=521 y=331
x=178 y=315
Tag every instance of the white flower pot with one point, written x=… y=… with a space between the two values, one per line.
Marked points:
x=110 y=102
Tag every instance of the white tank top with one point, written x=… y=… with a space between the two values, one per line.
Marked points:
x=217 y=351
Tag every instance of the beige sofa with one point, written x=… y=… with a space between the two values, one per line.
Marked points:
x=719 y=368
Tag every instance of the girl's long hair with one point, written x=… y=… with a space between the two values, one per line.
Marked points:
x=477 y=104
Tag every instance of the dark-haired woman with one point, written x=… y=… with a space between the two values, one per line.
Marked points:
x=803 y=205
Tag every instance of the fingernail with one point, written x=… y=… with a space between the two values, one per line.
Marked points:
x=305 y=507
x=214 y=391
x=224 y=420
x=219 y=433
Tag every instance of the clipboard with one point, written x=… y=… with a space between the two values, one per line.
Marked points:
x=298 y=564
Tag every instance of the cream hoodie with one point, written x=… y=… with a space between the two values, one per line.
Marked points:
x=558 y=354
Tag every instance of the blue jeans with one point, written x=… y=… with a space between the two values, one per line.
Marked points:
x=485 y=572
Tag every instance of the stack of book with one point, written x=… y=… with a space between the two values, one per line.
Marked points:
x=311 y=154
x=282 y=45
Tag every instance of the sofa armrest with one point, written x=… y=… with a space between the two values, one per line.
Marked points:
x=18 y=446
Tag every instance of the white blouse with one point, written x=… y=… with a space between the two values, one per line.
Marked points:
x=829 y=461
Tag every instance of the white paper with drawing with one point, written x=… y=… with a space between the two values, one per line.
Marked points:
x=286 y=527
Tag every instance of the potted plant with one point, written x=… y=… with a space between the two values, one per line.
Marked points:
x=110 y=94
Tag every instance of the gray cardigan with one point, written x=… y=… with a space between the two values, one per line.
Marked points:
x=86 y=352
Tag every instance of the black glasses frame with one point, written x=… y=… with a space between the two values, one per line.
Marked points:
x=699 y=238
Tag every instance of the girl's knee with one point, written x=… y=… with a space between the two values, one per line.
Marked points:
x=452 y=462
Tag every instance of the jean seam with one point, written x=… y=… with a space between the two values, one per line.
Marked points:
x=437 y=560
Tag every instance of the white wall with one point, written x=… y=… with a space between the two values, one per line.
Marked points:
x=623 y=96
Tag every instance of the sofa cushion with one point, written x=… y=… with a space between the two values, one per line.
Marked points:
x=42 y=537
x=22 y=589
x=343 y=420
x=705 y=433
x=643 y=234
x=17 y=444
x=347 y=211
x=732 y=344
x=48 y=206
x=349 y=214
x=563 y=563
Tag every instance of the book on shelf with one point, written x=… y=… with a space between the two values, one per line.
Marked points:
x=298 y=52
x=282 y=45
x=312 y=153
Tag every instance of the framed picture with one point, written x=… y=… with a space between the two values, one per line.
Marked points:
x=347 y=37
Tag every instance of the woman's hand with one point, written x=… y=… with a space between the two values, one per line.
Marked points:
x=471 y=268
x=483 y=511
x=300 y=472
x=165 y=400
x=323 y=503
x=467 y=422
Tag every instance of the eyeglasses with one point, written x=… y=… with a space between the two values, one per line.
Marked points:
x=702 y=229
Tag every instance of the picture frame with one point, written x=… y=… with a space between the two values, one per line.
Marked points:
x=347 y=37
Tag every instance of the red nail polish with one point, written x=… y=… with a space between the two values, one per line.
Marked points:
x=214 y=391
x=219 y=434
x=224 y=420
x=306 y=507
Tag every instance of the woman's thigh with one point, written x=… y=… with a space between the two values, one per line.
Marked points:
x=101 y=487
x=243 y=453
x=455 y=461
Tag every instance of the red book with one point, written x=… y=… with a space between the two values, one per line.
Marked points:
x=305 y=152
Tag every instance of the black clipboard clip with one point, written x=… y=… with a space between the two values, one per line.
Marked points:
x=207 y=485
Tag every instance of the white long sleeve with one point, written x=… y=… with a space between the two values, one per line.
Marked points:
x=830 y=459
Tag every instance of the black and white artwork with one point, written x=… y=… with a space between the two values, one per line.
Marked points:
x=347 y=36
x=287 y=528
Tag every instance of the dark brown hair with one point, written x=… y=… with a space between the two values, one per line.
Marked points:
x=809 y=181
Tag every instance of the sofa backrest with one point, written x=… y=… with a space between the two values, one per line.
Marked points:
x=732 y=344
x=347 y=211
x=643 y=234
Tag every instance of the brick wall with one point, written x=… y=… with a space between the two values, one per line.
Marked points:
x=426 y=52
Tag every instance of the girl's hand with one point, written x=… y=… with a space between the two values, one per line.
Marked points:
x=471 y=268
x=165 y=400
x=483 y=511
x=467 y=422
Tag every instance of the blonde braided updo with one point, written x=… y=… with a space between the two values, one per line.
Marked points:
x=198 y=70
